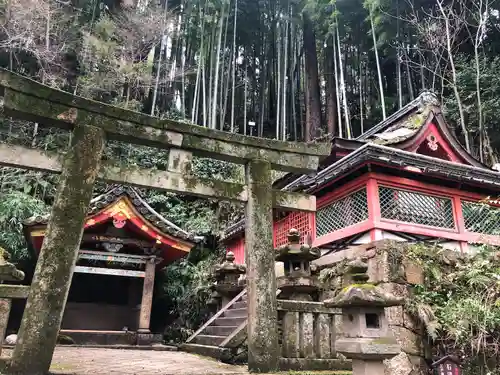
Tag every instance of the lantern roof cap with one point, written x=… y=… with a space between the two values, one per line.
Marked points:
x=294 y=251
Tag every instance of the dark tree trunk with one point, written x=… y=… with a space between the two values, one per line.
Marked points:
x=313 y=101
x=330 y=89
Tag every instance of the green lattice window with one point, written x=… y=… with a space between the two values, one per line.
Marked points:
x=416 y=208
x=481 y=218
x=342 y=213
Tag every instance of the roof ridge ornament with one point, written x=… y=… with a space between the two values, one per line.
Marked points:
x=428 y=97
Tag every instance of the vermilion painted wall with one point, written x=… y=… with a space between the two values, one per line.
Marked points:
x=375 y=224
x=303 y=221
x=237 y=246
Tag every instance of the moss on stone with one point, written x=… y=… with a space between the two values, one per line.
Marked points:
x=40 y=92
x=263 y=350
x=52 y=278
x=384 y=341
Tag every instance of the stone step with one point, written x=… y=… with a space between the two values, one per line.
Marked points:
x=206 y=350
x=219 y=330
x=239 y=305
x=209 y=340
x=236 y=313
x=228 y=321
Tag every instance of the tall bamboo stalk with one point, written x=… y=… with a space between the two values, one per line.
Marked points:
x=213 y=122
x=454 y=75
x=285 y=81
x=343 y=88
x=379 y=70
x=278 y=93
x=339 y=111
x=234 y=65
x=158 y=68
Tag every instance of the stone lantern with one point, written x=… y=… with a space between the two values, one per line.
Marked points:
x=214 y=300
x=227 y=275
x=367 y=340
x=297 y=283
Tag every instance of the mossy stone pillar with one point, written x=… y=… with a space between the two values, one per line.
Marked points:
x=54 y=270
x=261 y=279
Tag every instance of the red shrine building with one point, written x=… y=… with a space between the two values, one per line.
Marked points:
x=125 y=242
x=407 y=178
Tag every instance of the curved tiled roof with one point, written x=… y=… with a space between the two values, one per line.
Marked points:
x=395 y=132
x=100 y=202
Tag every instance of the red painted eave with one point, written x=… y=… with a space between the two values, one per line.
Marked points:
x=172 y=248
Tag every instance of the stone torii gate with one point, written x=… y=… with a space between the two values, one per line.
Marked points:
x=91 y=124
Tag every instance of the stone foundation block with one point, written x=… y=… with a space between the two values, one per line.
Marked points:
x=390 y=264
x=399 y=365
x=314 y=364
x=397 y=316
x=414 y=274
x=399 y=290
x=411 y=343
x=378 y=268
x=420 y=366
x=144 y=338
x=404 y=364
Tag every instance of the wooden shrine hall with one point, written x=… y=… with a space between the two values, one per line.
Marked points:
x=125 y=242
x=407 y=178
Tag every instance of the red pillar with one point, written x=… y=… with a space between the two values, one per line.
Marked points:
x=459 y=221
x=374 y=214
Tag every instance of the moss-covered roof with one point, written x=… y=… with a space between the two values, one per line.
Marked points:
x=404 y=123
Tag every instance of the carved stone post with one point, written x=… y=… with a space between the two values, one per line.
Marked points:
x=54 y=269
x=261 y=276
x=143 y=333
x=8 y=272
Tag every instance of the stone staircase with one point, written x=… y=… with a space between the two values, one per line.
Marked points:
x=223 y=333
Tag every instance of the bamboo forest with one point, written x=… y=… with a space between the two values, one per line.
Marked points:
x=290 y=70
x=287 y=69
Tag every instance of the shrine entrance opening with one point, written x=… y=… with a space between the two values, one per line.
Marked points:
x=102 y=303
x=91 y=125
